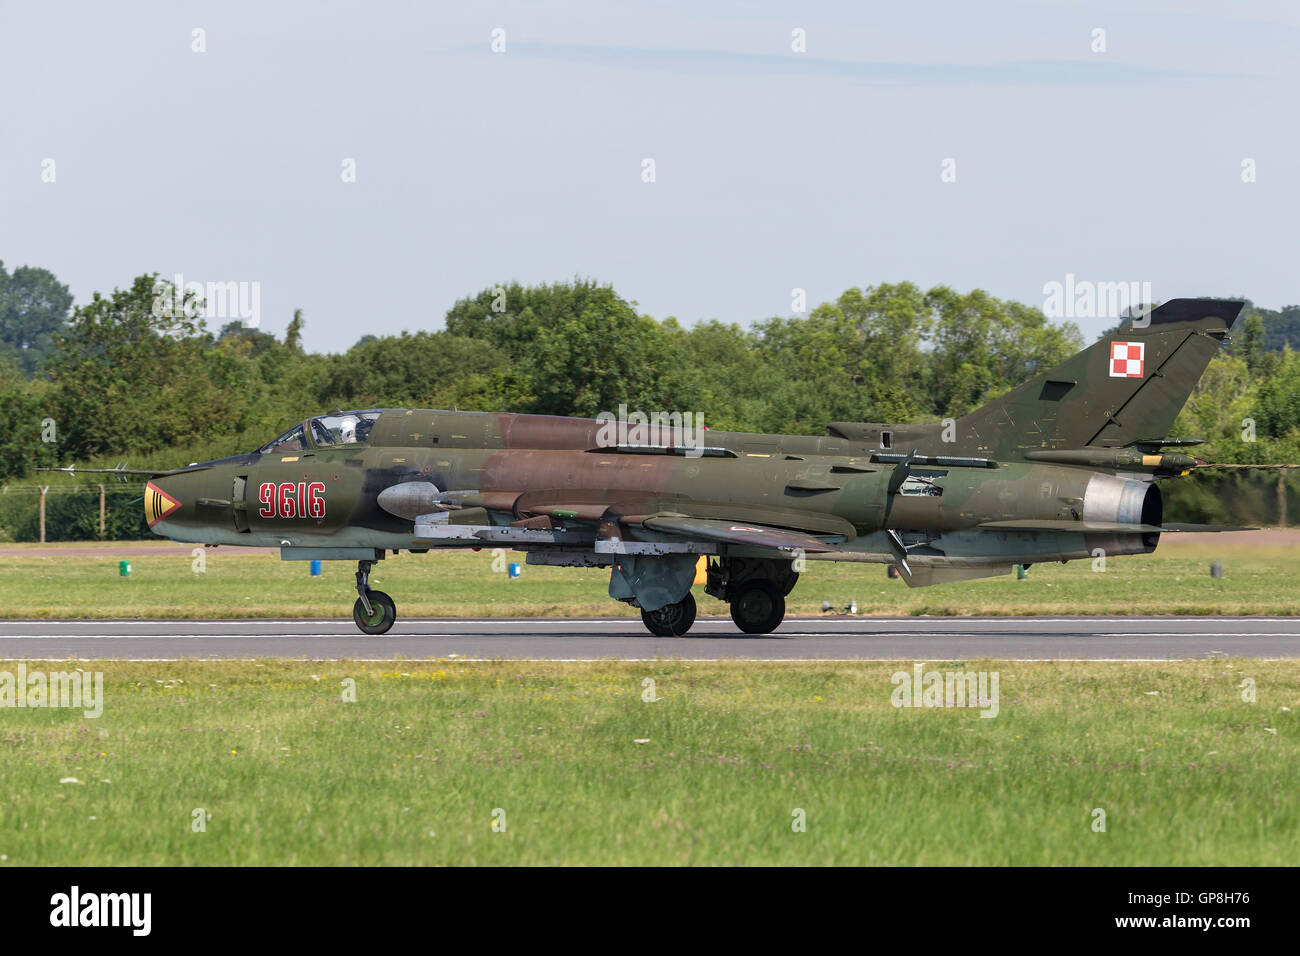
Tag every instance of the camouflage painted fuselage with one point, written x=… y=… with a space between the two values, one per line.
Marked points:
x=524 y=466
x=1063 y=467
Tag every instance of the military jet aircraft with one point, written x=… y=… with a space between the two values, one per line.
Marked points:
x=1063 y=467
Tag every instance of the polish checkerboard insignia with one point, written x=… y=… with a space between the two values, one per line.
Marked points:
x=1127 y=359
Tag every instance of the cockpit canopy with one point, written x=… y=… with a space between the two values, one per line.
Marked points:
x=324 y=431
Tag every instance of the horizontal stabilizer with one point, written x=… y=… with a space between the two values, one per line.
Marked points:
x=1204 y=528
x=1068 y=525
x=1109 y=527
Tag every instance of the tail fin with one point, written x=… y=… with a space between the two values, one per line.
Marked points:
x=1126 y=389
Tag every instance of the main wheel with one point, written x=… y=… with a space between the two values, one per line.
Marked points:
x=758 y=608
x=381 y=617
x=671 y=620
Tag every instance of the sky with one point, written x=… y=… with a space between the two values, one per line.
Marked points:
x=371 y=163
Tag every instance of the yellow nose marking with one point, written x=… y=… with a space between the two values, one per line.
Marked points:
x=157 y=504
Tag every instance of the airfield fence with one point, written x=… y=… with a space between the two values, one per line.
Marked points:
x=73 y=512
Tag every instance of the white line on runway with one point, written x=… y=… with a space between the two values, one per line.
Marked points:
x=615 y=660
x=569 y=621
x=600 y=636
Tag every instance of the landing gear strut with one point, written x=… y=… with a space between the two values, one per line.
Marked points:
x=374 y=612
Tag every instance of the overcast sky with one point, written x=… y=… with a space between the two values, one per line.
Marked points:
x=773 y=169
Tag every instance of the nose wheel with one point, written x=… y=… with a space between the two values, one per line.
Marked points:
x=374 y=612
x=379 y=618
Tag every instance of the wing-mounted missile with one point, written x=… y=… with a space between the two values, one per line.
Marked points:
x=415 y=499
x=1164 y=465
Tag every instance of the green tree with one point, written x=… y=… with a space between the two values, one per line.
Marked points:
x=33 y=308
x=405 y=369
x=573 y=348
x=1217 y=409
x=732 y=381
x=983 y=346
x=885 y=329
x=236 y=333
x=510 y=317
x=25 y=408
x=135 y=372
x=1277 y=405
x=293 y=334
x=604 y=355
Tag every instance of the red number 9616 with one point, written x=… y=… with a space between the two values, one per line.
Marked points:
x=289 y=500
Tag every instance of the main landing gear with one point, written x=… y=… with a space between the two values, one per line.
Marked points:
x=671 y=620
x=374 y=612
x=754 y=587
x=758 y=607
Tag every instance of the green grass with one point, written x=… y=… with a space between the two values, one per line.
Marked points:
x=1185 y=770
x=1259 y=578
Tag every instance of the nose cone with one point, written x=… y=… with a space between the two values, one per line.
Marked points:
x=158 y=504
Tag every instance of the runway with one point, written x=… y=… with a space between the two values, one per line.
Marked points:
x=826 y=638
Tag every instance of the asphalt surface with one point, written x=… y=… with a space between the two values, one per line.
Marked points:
x=826 y=638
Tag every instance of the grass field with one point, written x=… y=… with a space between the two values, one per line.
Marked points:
x=413 y=770
x=1261 y=576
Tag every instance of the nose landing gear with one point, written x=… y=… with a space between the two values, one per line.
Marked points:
x=374 y=612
